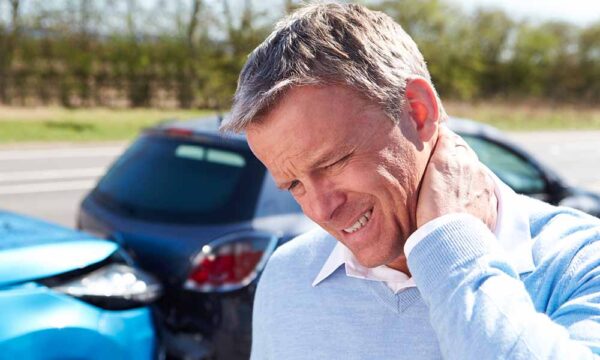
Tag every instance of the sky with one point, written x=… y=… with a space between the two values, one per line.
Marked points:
x=580 y=12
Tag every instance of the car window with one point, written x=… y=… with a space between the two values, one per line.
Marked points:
x=511 y=168
x=171 y=179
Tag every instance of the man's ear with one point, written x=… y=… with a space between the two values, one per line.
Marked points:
x=423 y=107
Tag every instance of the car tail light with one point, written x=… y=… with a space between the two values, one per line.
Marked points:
x=230 y=263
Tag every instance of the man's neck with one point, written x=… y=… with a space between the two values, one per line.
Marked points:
x=399 y=264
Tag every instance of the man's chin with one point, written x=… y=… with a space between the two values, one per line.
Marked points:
x=370 y=261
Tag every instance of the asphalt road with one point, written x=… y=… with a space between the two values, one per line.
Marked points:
x=50 y=182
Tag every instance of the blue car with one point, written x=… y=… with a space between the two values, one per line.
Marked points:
x=68 y=295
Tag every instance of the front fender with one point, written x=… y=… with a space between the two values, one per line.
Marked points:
x=38 y=323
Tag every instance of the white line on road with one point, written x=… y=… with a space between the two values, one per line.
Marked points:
x=60 y=153
x=47 y=187
x=51 y=174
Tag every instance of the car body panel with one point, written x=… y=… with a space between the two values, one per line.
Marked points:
x=18 y=231
x=40 y=261
x=32 y=249
x=44 y=324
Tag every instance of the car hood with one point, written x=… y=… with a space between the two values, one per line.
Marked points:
x=33 y=249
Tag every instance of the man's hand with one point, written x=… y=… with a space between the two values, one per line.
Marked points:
x=455 y=182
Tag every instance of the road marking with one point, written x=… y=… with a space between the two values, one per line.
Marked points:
x=94 y=172
x=60 y=153
x=47 y=187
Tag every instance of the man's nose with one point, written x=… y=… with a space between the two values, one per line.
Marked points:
x=322 y=202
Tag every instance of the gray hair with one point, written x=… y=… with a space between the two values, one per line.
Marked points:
x=329 y=44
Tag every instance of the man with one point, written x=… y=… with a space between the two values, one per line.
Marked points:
x=435 y=257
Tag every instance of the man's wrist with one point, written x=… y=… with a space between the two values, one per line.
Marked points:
x=456 y=241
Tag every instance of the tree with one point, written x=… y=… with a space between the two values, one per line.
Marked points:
x=9 y=40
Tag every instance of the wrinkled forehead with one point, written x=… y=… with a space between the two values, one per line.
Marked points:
x=280 y=140
x=309 y=122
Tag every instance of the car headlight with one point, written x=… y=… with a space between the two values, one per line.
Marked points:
x=114 y=286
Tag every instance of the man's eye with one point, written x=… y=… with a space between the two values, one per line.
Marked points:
x=293 y=184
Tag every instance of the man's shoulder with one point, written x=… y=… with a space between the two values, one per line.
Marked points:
x=298 y=261
x=312 y=247
x=561 y=235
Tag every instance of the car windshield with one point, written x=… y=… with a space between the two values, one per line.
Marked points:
x=175 y=180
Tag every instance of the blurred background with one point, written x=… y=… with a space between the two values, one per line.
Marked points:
x=79 y=78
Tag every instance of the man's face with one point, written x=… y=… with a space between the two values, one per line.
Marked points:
x=352 y=170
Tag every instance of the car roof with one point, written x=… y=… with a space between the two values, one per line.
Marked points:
x=206 y=125
x=209 y=125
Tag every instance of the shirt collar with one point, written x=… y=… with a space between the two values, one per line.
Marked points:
x=512 y=231
x=512 y=227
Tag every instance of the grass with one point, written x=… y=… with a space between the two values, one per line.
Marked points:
x=529 y=116
x=46 y=124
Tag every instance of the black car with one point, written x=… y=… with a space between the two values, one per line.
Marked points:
x=198 y=210
x=520 y=170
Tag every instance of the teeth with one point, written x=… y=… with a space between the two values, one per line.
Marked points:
x=362 y=221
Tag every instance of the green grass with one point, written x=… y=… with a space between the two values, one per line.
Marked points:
x=47 y=124
x=529 y=116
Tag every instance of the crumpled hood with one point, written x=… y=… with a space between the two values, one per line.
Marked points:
x=32 y=249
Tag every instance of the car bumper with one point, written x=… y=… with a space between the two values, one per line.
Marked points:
x=211 y=325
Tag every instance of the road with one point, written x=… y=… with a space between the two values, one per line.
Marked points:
x=50 y=182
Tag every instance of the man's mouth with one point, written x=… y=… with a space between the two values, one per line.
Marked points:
x=360 y=223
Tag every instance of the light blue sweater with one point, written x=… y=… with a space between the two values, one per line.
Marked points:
x=470 y=303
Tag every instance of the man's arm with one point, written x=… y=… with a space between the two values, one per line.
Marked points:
x=481 y=310
x=479 y=307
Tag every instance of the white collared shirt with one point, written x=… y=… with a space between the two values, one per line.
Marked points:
x=512 y=232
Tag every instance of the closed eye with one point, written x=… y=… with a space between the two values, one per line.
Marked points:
x=293 y=184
